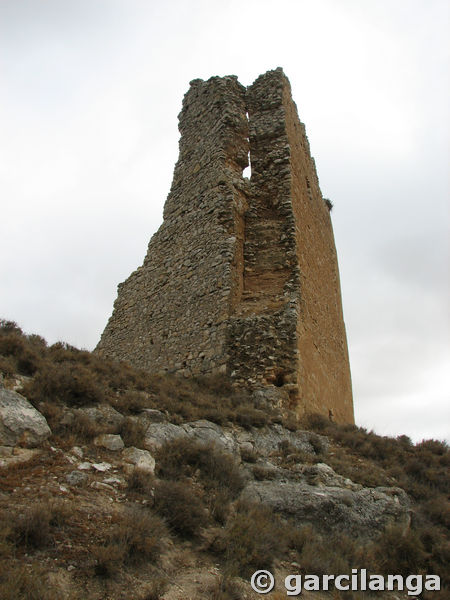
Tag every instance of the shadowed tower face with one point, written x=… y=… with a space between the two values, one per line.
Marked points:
x=242 y=276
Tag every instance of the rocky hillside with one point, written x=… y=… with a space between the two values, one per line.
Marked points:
x=115 y=484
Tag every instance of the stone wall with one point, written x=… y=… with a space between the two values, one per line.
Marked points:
x=242 y=276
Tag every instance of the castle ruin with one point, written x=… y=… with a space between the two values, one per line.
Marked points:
x=242 y=276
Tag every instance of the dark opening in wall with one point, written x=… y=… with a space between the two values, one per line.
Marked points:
x=279 y=380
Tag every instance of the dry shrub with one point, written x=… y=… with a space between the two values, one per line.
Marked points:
x=53 y=412
x=218 y=385
x=317 y=554
x=366 y=473
x=7 y=326
x=251 y=540
x=109 y=558
x=216 y=471
x=156 y=589
x=70 y=383
x=437 y=547
x=25 y=353
x=438 y=510
x=84 y=429
x=248 y=416
x=217 y=415
x=225 y=588
x=131 y=402
x=32 y=527
x=319 y=445
x=181 y=506
x=249 y=455
x=140 y=481
x=141 y=533
x=137 y=536
x=132 y=432
x=426 y=470
x=25 y=359
x=399 y=552
x=6 y=547
x=438 y=447
x=319 y=560
x=25 y=582
x=185 y=457
x=197 y=398
x=290 y=454
x=219 y=505
x=300 y=536
x=7 y=366
x=60 y=511
x=263 y=473
x=290 y=421
x=316 y=422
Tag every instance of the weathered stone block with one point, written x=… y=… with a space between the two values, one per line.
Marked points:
x=20 y=423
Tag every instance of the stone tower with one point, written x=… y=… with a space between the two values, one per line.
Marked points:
x=242 y=276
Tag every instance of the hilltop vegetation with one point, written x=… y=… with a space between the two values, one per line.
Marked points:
x=133 y=532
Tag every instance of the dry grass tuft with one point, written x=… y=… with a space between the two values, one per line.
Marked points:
x=251 y=539
x=136 y=537
x=180 y=504
x=25 y=582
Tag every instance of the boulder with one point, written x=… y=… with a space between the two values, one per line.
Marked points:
x=84 y=466
x=268 y=397
x=20 y=423
x=77 y=451
x=17 y=456
x=209 y=433
x=109 y=441
x=103 y=414
x=102 y=467
x=268 y=440
x=158 y=434
x=76 y=478
x=364 y=512
x=142 y=459
x=322 y=474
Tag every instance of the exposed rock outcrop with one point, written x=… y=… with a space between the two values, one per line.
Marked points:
x=362 y=512
x=20 y=423
x=141 y=459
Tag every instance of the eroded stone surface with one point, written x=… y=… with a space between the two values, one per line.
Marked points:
x=142 y=459
x=158 y=434
x=364 y=512
x=76 y=478
x=20 y=423
x=209 y=433
x=109 y=441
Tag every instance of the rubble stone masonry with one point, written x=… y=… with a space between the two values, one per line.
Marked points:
x=242 y=276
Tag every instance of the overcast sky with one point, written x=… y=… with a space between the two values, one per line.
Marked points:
x=90 y=91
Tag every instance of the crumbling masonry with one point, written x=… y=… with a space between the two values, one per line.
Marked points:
x=242 y=276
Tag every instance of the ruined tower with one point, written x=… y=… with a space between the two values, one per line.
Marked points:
x=242 y=276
